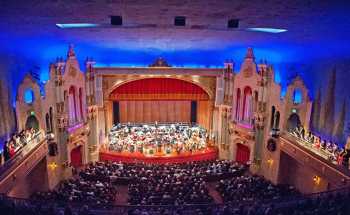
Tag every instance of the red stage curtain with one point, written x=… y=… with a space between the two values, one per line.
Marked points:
x=159 y=89
x=243 y=153
x=151 y=111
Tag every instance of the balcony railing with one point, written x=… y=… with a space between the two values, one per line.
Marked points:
x=22 y=153
x=318 y=154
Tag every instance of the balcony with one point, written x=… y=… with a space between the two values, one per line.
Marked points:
x=315 y=159
x=244 y=129
x=23 y=162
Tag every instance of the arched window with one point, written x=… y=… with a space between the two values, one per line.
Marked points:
x=51 y=119
x=297 y=96
x=256 y=98
x=238 y=103
x=28 y=96
x=272 y=122
x=48 y=126
x=65 y=95
x=32 y=122
x=247 y=105
x=72 y=104
x=81 y=104
x=277 y=120
x=293 y=122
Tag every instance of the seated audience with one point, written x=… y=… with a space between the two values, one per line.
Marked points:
x=17 y=142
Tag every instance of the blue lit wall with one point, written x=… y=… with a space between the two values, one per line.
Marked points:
x=18 y=56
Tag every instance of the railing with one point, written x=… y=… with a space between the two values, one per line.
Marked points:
x=324 y=156
x=308 y=145
x=32 y=144
x=18 y=205
x=244 y=124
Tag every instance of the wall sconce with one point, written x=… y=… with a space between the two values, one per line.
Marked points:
x=269 y=162
x=317 y=179
x=53 y=166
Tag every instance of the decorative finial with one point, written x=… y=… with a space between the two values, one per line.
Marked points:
x=71 y=51
x=250 y=53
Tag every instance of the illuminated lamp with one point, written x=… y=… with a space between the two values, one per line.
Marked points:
x=53 y=166
x=269 y=161
x=316 y=179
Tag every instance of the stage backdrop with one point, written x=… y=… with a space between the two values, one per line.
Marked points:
x=151 y=111
x=162 y=100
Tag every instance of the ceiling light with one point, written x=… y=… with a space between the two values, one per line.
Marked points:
x=116 y=20
x=76 y=25
x=268 y=30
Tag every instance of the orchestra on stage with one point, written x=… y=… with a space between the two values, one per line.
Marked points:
x=157 y=139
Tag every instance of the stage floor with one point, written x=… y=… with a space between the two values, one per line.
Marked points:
x=209 y=153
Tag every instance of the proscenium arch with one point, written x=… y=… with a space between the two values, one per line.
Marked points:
x=206 y=90
x=293 y=121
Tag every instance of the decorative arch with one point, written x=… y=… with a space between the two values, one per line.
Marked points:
x=272 y=120
x=277 y=120
x=32 y=122
x=256 y=99
x=48 y=125
x=247 y=104
x=72 y=104
x=293 y=121
x=297 y=96
x=51 y=118
x=159 y=89
x=81 y=104
x=28 y=96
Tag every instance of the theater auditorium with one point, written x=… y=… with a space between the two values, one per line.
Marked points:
x=174 y=107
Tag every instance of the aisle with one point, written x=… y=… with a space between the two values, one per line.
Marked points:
x=213 y=193
x=122 y=195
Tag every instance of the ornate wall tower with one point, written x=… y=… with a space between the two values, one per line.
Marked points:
x=223 y=105
x=92 y=108
x=62 y=113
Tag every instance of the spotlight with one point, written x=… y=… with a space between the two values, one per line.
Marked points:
x=180 y=21
x=117 y=20
x=233 y=23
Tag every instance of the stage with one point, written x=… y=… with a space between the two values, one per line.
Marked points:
x=209 y=153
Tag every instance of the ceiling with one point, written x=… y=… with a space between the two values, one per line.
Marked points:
x=317 y=29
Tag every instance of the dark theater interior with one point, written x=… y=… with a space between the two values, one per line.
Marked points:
x=174 y=107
